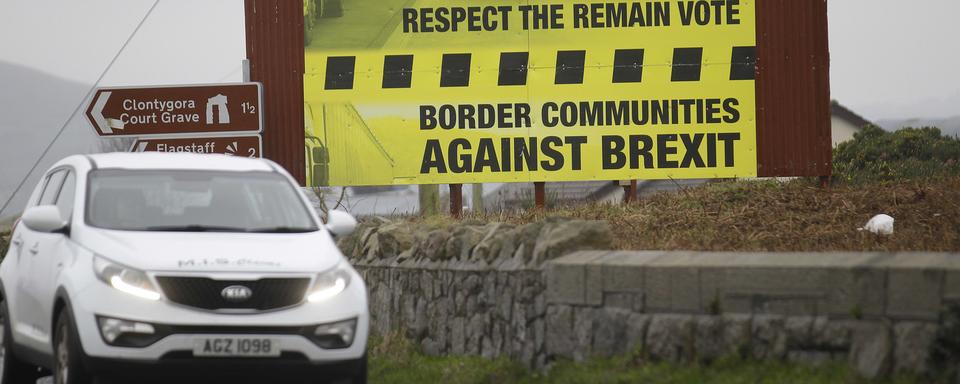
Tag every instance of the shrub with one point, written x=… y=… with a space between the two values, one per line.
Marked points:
x=907 y=154
x=4 y=244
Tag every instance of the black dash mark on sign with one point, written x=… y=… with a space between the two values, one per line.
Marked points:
x=340 y=71
x=628 y=66
x=570 y=67
x=686 y=64
x=513 y=68
x=743 y=63
x=455 y=71
x=397 y=71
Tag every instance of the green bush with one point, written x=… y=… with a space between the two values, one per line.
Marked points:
x=910 y=153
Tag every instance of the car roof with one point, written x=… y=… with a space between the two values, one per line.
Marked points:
x=178 y=161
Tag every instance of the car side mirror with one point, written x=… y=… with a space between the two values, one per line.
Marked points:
x=340 y=223
x=44 y=218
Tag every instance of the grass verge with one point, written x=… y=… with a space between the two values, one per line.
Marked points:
x=396 y=360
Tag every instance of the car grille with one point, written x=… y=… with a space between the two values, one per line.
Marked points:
x=205 y=293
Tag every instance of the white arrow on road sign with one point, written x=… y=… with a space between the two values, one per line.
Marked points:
x=105 y=125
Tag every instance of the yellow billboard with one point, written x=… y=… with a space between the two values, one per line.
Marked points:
x=436 y=92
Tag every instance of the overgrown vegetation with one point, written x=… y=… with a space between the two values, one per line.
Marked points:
x=4 y=243
x=796 y=215
x=396 y=360
x=875 y=155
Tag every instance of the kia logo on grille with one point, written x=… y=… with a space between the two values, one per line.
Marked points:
x=236 y=293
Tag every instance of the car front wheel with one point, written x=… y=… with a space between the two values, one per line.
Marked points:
x=68 y=355
x=360 y=376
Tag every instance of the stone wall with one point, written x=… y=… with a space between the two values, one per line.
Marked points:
x=878 y=311
x=490 y=245
x=470 y=288
x=462 y=311
x=498 y=290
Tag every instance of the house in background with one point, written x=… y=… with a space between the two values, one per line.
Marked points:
x=844 y=123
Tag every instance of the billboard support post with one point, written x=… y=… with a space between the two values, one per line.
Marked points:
x=629 y=192
x=477 y=196
x=540 y=194
x=456 y=200
x=429 y=199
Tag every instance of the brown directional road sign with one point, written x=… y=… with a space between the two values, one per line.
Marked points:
x=246 y=146
x=177 y=110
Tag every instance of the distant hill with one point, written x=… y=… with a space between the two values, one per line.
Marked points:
x=33 y=107
x=949 y=126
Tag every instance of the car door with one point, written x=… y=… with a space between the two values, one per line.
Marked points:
x=54 y=250
x=27 y=313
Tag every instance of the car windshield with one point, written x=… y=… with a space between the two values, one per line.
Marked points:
x=195 y=201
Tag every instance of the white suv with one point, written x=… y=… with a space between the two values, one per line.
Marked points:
x=150 y=264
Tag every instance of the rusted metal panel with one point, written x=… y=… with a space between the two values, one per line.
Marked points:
x=793 y=88
x=274 y=31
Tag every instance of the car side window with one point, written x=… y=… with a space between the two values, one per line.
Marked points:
x=66 y=198
x=52 y=189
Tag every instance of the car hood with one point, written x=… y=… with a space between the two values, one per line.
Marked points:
x=216 y=251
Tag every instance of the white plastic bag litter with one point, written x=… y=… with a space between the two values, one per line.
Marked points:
x=880 y=224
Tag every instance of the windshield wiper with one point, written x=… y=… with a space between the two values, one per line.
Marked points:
x=282 y=230
x=193 y=228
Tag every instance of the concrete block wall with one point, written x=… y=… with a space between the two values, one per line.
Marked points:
x=867 y=286
x=878 y=311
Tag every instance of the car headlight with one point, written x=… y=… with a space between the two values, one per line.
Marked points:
x=125 y=279
x=330 y=283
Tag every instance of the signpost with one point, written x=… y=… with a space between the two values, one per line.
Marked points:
x=246 y=146
x=209 y=118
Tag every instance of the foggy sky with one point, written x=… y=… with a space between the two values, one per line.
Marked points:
x=895 y=58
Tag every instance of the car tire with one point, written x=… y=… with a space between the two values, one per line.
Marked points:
x=360 y=376
x=67 y=353
x=357 y=374
x=12 y=370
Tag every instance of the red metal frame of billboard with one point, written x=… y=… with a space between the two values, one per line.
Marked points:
x=274 y=32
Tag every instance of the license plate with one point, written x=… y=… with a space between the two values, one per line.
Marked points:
x=236 y=347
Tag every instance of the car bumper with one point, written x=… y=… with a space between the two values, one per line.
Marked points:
x=289 y=327
x=288 y=367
